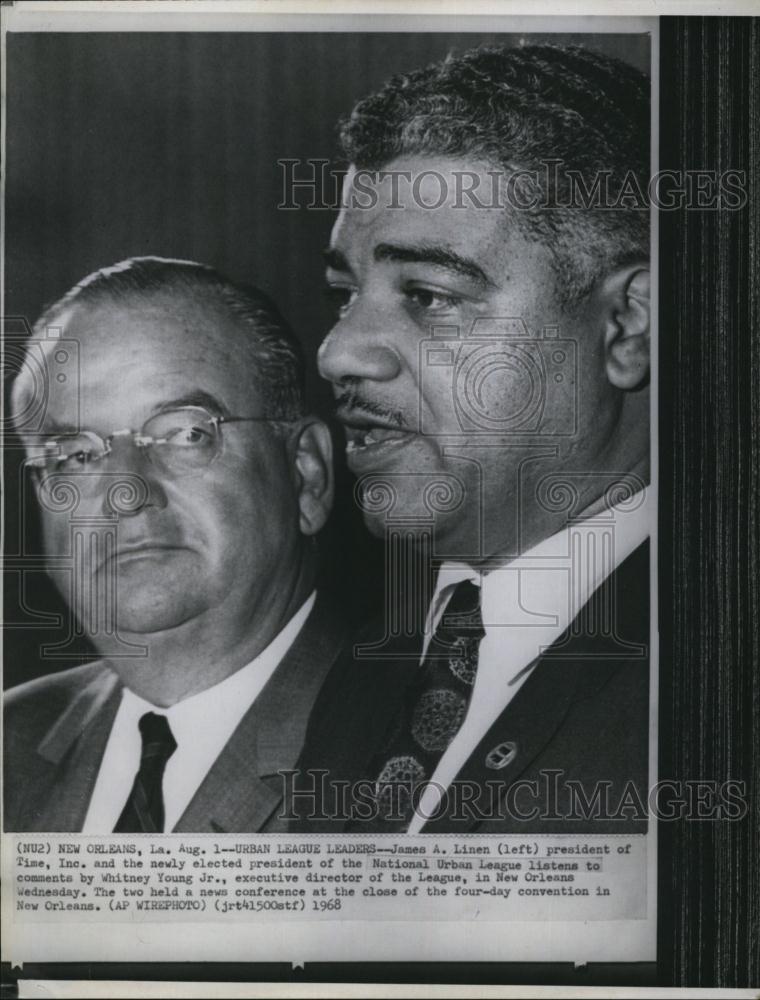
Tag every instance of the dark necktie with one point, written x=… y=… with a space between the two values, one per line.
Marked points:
x=434 y=709
x=144 y=810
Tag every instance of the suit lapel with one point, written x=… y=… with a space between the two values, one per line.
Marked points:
x=243 y=789
x=234 y=796
x=517 y=737
x=361 y=698
x=574 y=667
x=70 y=755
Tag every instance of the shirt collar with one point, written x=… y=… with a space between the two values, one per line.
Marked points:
x=223 y=705
x=628 y=523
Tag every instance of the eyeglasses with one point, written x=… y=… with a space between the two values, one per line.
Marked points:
x=179 y=442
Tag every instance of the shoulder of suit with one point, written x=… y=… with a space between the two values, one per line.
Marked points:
x=370 y=662
x=49 y=695
x=326 y=623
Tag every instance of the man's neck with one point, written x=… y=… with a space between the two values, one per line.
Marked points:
x=200 y=653
x=528 y=532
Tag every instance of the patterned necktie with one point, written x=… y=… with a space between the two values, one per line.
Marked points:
x=434 y=709
x=144 y=810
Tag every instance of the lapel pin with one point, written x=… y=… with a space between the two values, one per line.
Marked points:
x=502 y=755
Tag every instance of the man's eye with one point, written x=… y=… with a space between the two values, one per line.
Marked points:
x=77 y=458
x=68 y=457
x=341 y=298
x=432 y=301
x=189 y=437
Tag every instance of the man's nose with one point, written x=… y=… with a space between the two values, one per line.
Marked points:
x=358 y=347
x=130 y=482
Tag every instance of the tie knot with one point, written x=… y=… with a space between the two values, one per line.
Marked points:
x=157 y=739
x=462 y=613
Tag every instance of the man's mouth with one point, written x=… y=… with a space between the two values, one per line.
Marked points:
x=143 y=548
x=364 y=437
x=373 y=431
x=133 y=551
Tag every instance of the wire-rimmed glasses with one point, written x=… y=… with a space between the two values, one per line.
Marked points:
x=178 y=442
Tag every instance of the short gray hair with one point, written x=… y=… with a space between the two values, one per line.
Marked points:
x=280 y=368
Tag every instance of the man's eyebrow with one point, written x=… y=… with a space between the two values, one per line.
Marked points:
x=196 y=397
x=439 y=256
x=335 y=260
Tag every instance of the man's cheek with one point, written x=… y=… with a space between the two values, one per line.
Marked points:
x=56 y=534
x=60 y=547
x=436 y=402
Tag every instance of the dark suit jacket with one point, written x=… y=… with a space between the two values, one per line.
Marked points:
x=56 y=729
x=581 y=716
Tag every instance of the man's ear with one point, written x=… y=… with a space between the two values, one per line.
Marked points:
x=313 y=462
x=627 y=328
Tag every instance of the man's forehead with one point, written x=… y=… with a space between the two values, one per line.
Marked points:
x=145 y=313
x=430 y=209
x=419 y=181
x=139 y=350
x=155 y=329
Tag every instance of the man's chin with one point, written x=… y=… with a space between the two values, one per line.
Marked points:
x=440 y=534
x=141 y=611
x=149 y=621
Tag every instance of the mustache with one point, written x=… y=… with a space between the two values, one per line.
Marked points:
x=352 y=402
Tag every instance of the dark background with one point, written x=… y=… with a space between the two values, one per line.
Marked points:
x=131 y=144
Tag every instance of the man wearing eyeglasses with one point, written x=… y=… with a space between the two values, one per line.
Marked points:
x=180 y=485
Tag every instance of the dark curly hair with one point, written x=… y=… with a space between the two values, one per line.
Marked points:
x=520 y=109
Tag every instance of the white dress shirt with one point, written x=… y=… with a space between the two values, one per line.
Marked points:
x=201 y=725
x=526 y=605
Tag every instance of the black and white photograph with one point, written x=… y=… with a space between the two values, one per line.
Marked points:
x=354 y=557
